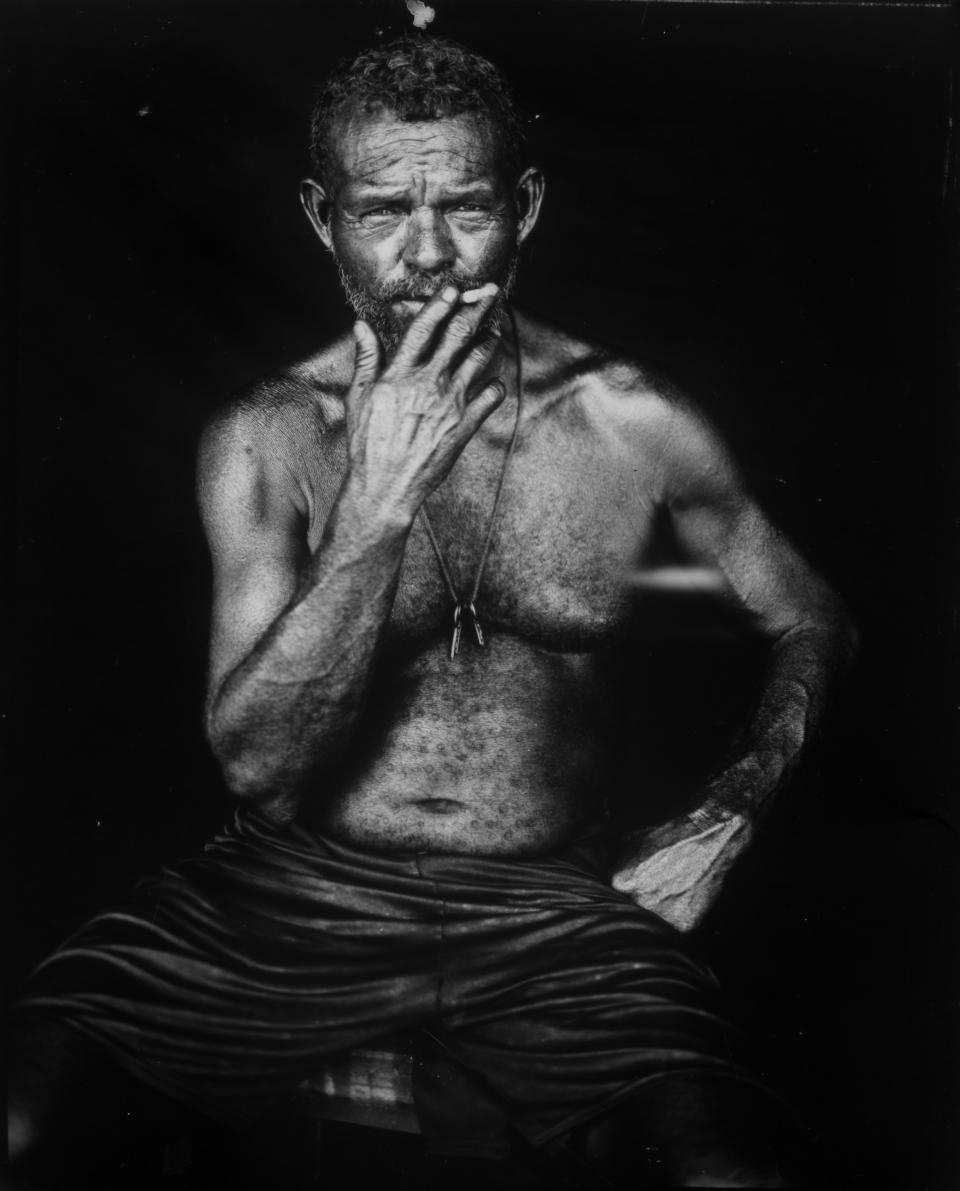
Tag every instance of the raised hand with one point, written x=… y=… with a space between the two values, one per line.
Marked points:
x=408 y=423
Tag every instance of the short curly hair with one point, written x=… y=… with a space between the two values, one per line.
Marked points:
x=418 y=78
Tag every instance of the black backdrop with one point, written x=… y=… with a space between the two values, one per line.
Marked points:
x=760 y=197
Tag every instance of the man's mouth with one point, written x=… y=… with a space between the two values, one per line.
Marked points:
x=410 y=304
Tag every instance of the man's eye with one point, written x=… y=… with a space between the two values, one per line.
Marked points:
x=471 y=208
x=383 y=213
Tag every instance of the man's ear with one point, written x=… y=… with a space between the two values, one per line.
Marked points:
x=317 y=205
x=528 y=195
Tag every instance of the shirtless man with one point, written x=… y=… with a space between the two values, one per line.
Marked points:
x=426 y=540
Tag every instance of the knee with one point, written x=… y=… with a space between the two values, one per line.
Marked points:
x=35 y=1098
x=689 y=1135
x=23 y=1133
x=36 y=1052
x=56 y=1093
x=29 y=1165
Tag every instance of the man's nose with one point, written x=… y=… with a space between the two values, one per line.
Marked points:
x=428 y=247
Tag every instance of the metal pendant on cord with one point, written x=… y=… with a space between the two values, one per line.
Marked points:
x=467 y=608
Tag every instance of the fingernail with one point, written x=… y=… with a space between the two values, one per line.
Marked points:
x=448 y=293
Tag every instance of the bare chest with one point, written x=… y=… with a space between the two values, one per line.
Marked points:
x=576 y=516
x=564 y=539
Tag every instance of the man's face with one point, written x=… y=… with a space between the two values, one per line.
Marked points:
x=413 y=207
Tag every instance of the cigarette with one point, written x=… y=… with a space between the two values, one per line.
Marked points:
x=474 y=295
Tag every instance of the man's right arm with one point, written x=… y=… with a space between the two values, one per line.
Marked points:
x=294 y=634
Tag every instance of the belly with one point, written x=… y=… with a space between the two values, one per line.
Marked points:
x=496 y=752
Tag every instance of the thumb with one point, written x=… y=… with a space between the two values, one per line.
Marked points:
x=479 y=408
x=367 y=362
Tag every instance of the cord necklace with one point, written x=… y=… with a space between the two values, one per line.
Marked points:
x=468 y=606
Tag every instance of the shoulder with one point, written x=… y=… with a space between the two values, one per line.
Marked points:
x=636 y=408
x=298 y=403
x=267 y=439
x=610 y=388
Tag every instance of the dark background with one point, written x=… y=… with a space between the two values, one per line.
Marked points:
x=760 y=197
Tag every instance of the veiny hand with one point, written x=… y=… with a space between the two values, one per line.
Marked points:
x=407 y=425
x=676 y=869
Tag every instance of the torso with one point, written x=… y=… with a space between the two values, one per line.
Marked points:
x=503 y=749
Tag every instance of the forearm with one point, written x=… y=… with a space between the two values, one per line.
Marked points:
x=291 y=704
x=803 y=666
x=677 y=869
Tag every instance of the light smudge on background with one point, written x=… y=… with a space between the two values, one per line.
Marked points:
x=694 y=579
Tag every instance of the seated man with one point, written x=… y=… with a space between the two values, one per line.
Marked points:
x=426 y=540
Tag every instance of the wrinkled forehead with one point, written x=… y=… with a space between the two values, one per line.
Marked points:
x=380 y=150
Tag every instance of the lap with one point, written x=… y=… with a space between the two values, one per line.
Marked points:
x=228 y=978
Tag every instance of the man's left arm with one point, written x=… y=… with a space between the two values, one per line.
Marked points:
x=677 y=868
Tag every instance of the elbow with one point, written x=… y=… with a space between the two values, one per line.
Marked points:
x=247 y=780
x=847 y=635
x=261 y=785
x=262 y=761
x=851 y=642
x=252 y=772
x=831 y=622
x=826 y=633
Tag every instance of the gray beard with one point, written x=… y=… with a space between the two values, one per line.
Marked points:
x=374 y=306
